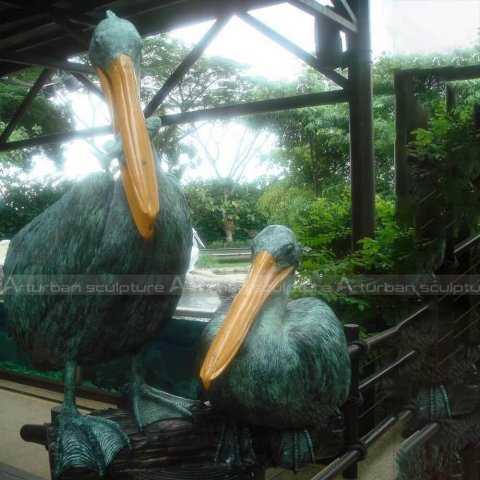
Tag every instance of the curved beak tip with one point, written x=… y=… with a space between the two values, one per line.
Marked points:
x=147 y=235
x=206 y=382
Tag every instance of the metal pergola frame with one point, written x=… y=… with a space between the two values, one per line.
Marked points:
x=349 y=16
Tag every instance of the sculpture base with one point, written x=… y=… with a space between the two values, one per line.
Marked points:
x=180 y=449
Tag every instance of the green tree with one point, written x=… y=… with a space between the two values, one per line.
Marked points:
x=317 y=206
x=21 y=202
x=212 y=81
x=220 y=207
x=44 y=116
x=22 y=199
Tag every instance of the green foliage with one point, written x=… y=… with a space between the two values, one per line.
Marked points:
x=221 y=206
x=235 y=244
x=385 y=66
x=313 y=146
x=316 y=203
x=15 y=158
x=313 y=142
x=282 y=203
x=447 y=156
x=21 y=202
x=43 y=117
x=389 y=252
x=322 y=226
x=210 y=82
x=207 y=260
x=318 y=222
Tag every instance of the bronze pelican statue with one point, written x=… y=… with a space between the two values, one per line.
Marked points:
x=103 y=231
x=275 y=363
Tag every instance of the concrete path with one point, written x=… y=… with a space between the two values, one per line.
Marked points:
x=18 y=409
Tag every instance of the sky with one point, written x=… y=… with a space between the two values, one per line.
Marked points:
x=400 y=26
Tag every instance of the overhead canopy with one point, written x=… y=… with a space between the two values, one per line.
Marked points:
x=48 y=33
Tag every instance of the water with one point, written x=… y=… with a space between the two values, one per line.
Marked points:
x=203 y=300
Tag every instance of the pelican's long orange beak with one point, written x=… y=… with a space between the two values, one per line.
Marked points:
x=139 y=177
x=261 y=281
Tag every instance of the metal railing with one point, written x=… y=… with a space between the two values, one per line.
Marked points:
x=355 y=447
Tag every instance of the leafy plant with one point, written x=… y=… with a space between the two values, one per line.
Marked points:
x=21 y=202
x=235 y=244
x=222 y=209
x=207 y=260
x=446 y=156
x=329 y=276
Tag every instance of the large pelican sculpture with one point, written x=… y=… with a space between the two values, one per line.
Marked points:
x=97 y=232
x=272 y=362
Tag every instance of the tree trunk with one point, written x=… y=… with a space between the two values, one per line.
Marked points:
x=228 y=231
x=182 y=448
x=227 y=222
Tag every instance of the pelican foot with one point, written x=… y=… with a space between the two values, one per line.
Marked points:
x=151 y=405
x=235 y=446
x=295 y=450
x=85 y=441
x=433 y=403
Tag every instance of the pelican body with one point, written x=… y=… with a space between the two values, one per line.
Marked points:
x=103 y=232
x=272 y=362
x=88 y=238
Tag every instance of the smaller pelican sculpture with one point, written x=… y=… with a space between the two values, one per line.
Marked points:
x=271 y=362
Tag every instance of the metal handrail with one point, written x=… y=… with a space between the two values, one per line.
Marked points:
x=380 y=338
x=353 y=455
x=377 y=376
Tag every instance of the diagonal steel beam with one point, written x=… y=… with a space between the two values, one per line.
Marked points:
x=86 y=82
x=27 y=101
x=68 y=26
x=347 y=8
x=293 y=48
x=40 y=61
x=312 y=7
x=186 y=64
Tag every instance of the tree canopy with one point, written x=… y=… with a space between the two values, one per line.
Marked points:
x=44 y=116
x=210 y=82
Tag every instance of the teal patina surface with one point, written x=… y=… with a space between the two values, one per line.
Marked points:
x=89 y=236
x=292 y=370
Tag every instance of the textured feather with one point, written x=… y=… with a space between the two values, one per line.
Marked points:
x=426 y=462
x=89 y=231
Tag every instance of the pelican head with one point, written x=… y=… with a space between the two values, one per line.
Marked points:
x=275 y=255
x=280 y=243
x=115 y=53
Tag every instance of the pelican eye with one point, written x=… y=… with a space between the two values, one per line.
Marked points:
x=289 y=248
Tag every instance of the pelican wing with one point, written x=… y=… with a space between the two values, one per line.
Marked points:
x=58 y=244
x=319 y=340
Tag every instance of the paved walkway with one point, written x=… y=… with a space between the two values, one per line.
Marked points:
x=17 y=409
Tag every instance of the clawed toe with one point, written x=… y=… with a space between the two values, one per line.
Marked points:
x=85 y=442
x=295 y=450
x=235 y=446
x=151 y=405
